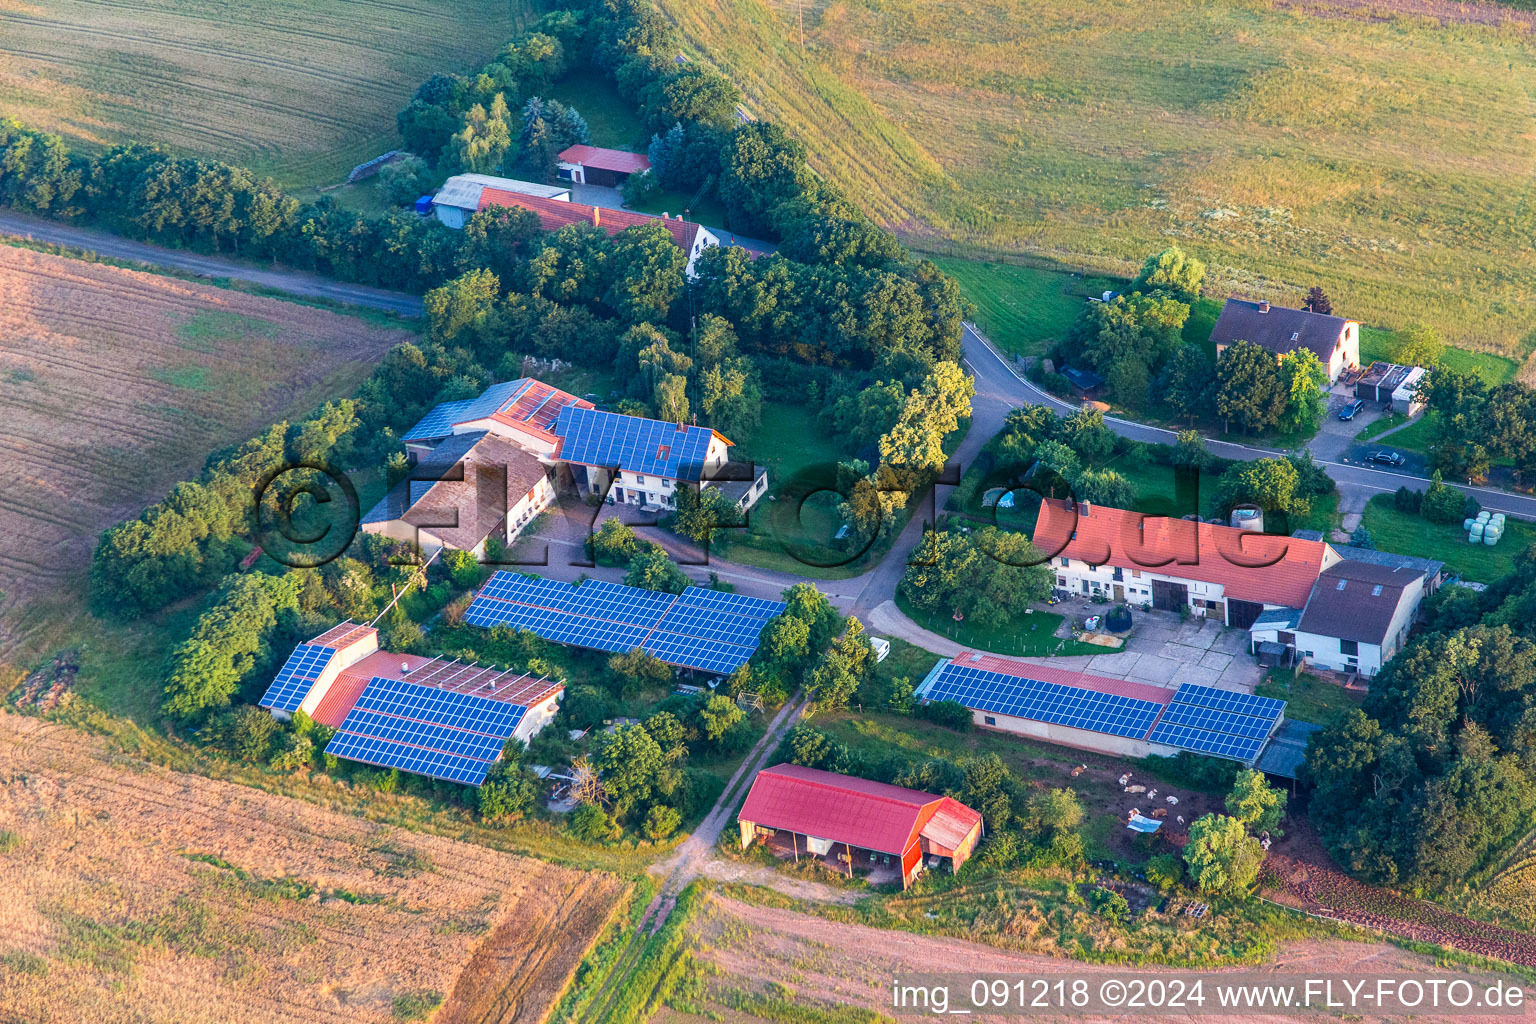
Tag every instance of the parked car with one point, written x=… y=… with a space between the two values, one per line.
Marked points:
x=1386 y=457
x=1348 y=412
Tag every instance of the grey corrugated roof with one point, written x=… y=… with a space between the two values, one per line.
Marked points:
x=1281 y=618
x=1280 y=330
x=1423 y=566
x=1287 y=748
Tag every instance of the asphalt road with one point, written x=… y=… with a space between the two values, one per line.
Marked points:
x=996 y=379
x=294 y=282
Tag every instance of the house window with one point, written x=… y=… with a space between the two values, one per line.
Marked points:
x=1066 y=563
x=1135 y=574
x=1349 y=647
x=989 y=720
x=639 y=479
x=1061 y=581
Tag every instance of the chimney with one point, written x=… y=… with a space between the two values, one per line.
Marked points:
x=597 y=222
x=1264 y=307
x=1085 y=507
x=664 y=215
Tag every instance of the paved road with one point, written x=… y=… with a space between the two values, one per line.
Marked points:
x=294 y=282
x=997 y=379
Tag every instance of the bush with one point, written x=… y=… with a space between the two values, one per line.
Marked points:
x=1406 y=499
x=948 y=713
x=660 y=822
x=1109 y=905
x=591 y=824
x=294 y=751
x=246 y=732
x=1212 y=774
x=1165 y=872
x=1442 y=504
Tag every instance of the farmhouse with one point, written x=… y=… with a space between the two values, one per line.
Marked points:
x=428 y=716
x=1111 y=716
x=631 y=460
x=459 y=198
x=555 y=214
x=593 y=165
x=1356 y=617
x=1215 y=571
x=469 y=488
x=1258 y=582
x=858 y=823
x=1334 y=340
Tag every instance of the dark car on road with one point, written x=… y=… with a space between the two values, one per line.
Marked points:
x=1386 y=457
x=1348 y=412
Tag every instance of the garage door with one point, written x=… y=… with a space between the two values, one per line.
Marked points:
x=1241 y=614
x=1170 y=597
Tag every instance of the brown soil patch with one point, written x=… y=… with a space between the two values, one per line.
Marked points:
x=823 y=962
x=115 y=384
x=135 y=893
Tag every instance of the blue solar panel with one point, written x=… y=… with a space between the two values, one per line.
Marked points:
x=1040 y=701
x=701 y=629
x=1227 y=700
x=429 y=704
x=442 y=419
x=426 y=731
x=1217 y=721
x=386 y=754
x=706 y=655
x=595 y=438
x=297 y=677
x=1207 y=741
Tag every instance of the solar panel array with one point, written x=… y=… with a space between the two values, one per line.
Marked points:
x=1221 y=723
x=297 y=677
x=441 y=420
x=1035 y=699
x=426 y=731
x=700 y=629
x=596 y=438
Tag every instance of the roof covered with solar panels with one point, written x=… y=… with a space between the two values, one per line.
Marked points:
x=592 y=437
x=700 y=629
x=1200 y=719
x=523 y=404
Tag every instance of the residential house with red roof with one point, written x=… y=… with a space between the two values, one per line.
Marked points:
x=857 y=823
x=594 y=165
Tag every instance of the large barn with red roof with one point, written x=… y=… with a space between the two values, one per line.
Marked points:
x=555 y=214
x=857 y=823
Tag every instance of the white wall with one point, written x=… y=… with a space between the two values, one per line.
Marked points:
x=1137 y=584
x=536 y=718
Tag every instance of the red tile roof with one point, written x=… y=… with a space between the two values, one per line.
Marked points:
x=1065 y=677
x=859 y=812
x=555 y=214
x=607 y=159
x=1249 y=566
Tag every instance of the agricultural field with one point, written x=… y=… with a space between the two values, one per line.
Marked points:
x=135 y=893
x=299 y=89
x=115 y=384
x=1378 y=150
x=775 y=963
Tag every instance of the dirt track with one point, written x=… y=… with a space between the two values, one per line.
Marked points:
x=825 y=962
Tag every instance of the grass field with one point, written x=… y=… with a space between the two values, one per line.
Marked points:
x=1384 y=157
x=1308 y=698
x=299 y=90
x=1406 y=534
x=116 y=384
x=135 y=893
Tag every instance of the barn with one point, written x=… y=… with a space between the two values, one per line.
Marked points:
x=888 y=831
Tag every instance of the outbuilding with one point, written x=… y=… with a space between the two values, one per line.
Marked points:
x=594 y=165
x=857 y=823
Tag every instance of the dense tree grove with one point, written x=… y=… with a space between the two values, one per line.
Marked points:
x=1473 y=423
x=1431 y=778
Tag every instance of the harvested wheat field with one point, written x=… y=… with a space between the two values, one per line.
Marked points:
x=134 y=893
x=115 y=384
x=818 y=965
x=302 y=89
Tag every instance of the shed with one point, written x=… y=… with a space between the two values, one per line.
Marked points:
x=1085 y=381
x=874 y=824
x=594 y=165
x=463 y=194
